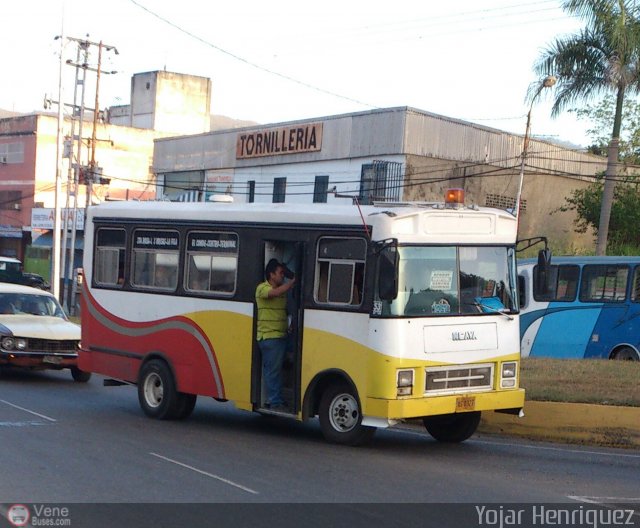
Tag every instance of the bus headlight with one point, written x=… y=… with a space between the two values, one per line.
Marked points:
x=508 y=375
x=404 y=382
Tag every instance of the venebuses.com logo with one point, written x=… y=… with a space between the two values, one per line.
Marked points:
x=18 y=515
x=38 y=515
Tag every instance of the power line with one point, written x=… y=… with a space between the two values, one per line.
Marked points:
x=249 y=63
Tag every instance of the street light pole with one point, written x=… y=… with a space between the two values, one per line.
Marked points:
x=547 y=82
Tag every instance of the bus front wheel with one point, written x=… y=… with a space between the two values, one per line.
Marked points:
x=157 y=393
x=341 y=417
x=452 y=428
x=626 y=354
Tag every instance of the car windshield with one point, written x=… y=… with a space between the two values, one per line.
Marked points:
x=453 y=280
x=23 y=303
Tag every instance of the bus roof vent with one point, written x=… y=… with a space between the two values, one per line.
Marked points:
x=221 y=198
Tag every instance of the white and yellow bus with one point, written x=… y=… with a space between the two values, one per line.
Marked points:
x=400 y=311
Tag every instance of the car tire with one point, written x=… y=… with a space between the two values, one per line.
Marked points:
x=80 y=375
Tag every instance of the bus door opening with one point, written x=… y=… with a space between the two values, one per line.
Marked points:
x=291 y=255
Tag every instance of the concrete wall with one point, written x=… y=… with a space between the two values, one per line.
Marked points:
x=170 y=102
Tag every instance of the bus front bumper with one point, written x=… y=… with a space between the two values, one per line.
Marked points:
x=401 y=409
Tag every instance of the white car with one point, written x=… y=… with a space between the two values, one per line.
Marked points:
x=35 y=332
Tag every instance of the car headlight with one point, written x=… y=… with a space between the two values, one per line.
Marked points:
x=21 y=343
x=404 y=382
x=8 y=343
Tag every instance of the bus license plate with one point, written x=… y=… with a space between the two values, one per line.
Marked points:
x=465 y=403
x=54 y=360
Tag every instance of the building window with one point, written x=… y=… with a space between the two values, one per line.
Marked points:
x=279 y=189
x=380 y=181
x=11 y=200
x=11 y=153
x=320 y=189
x=176 y=184
x=251 y=194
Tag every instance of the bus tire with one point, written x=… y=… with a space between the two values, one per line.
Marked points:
x=186 y=404
x=452 y=428
x=341 y=417
x=80 y=375
x=626 y=354
x=157 y=392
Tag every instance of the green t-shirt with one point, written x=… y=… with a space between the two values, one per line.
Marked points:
x=272 y=313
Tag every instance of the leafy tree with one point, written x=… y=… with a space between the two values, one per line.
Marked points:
x=625 y=212
x=602 y=57
x=601 y=115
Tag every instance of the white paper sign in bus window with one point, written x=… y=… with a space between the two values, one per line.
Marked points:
x=441 y=280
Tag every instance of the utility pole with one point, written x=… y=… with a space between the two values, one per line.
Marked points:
x=55 y=265
x=92 y=164
x=83 y=45
x=65 y=229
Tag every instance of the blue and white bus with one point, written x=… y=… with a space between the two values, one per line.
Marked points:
x=589 y=309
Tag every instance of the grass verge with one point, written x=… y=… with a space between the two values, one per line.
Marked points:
x=599 y=381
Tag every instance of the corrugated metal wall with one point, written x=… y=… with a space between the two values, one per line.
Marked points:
x=444 y=138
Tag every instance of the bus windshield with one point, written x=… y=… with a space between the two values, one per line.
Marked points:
x=453 y=280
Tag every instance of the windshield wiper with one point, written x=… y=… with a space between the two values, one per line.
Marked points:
x=486 y=308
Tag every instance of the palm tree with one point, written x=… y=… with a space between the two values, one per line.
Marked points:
x=602 y=57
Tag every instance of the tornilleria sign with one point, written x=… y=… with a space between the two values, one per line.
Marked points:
x=279 y=141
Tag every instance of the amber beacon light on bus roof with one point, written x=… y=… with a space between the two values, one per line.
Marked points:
x=454 y=198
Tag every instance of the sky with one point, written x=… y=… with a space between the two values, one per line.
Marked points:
x=284 y=60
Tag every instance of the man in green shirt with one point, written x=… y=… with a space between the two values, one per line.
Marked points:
x=272 y=328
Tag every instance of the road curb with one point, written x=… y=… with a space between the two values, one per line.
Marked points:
x=578 y=423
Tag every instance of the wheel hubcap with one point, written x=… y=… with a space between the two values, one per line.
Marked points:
x=153 y=390
x=344 y=413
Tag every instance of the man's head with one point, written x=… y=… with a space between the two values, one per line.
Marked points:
x=274 y=272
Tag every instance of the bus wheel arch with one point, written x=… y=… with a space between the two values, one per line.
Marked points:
x=625 y=353
x=157 y=391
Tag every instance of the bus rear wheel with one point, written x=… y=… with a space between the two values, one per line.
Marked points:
x=157 y=393
x=452 y=428
x=341 y=417
x=626 y=354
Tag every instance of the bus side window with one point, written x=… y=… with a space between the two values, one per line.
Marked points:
x=155 y=259
x=212 y=262
x=109 y=257
x=635 y=293
x=340 y=271
x=522 y=290
x=604 y=283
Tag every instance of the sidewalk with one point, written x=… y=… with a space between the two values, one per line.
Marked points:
x=576 y=423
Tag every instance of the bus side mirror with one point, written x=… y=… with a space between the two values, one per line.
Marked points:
x=388 y=273
x=542 y=279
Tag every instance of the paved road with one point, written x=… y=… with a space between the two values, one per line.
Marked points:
x=65 y=442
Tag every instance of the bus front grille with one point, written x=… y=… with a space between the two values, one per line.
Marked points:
x=457 y=378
